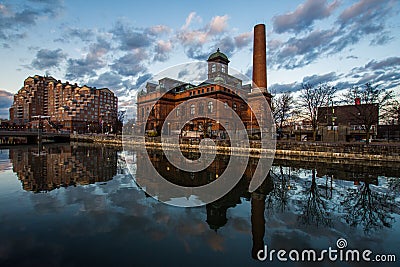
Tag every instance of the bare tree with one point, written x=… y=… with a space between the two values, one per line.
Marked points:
x=120 y=120
x=282 y=106
x=375 y=104
x=314 y=96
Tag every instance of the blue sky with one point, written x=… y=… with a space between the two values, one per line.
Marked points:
x=118 y=44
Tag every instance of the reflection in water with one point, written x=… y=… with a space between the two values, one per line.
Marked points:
x=314 y=209
x=368 y=208
x=316 y=201
x=257 y=215
x=297 y=204
x=56 y=166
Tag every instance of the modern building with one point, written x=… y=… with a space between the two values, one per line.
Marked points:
x=62 y=165
x=157 y=101
x=64 y=106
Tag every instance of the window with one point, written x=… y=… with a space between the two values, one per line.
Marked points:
x=225 y=105
x=192 y=109
x=223 y=69
x=210 y=107
x=234 y=106
x=202 y=91
x=201 y=108
x=213 y=68
x=178 y=109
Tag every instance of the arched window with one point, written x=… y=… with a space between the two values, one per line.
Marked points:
x=223 y=69
x=192 y=109
x=226 y=105
x=213 y=68
x=234 y=106
x=210 y=107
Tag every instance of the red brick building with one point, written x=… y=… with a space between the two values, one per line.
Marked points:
x=158 y=100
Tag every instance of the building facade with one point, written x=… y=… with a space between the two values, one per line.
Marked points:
x=207 y=107
x=158 y=100
x=348 y=122
x=64 y=106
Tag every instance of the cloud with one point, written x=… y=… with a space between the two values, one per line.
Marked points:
x=158 y=30
x=16 y=20
x=130 y=64
x=142 y=79
x=364 y=20
x=298 y=52
x=162 y=50
x=200 y=43
x=87 y=66
x=283 y=88
x=46 y=59
x=130 y=38
x=364 y=11
x=320 y=79
x=6 y=100
x=218 y=24
x=384 y=72
x=385 y=64
x=191 y=17
x=243 y=39
x=84 y=35
x=304 y=16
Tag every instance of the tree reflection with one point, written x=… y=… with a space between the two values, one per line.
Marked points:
x=279 y=198
x=368 y=208
x=315 y=209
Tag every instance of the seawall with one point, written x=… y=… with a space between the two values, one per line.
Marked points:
x=333 y=152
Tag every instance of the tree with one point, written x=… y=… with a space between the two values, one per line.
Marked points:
x=314 y=96
x=282 y=106
x=120 y=120
x=371 y=100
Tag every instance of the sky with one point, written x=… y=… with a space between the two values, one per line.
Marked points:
x=120 y=44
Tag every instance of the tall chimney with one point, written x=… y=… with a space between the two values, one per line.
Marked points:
x=259 y=58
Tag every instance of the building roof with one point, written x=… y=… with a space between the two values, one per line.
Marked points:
x=218 y=56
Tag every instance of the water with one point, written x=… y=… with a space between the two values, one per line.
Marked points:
x=77 y=205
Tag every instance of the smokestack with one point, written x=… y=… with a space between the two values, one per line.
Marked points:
x=259 y=58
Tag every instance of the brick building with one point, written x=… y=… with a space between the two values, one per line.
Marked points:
x=348 y=122
x=66 y=106
x=62 y=166
x=157 y=101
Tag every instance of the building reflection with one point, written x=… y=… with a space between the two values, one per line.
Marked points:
x=55 y=166
x=217 y=210
x=315 y=196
